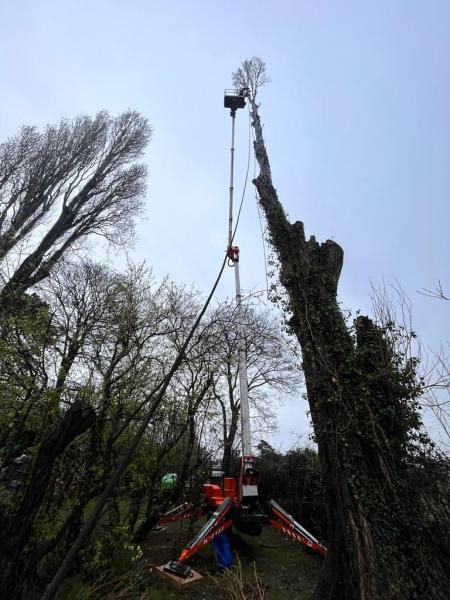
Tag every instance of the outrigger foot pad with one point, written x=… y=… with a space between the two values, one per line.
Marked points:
x=178 y=568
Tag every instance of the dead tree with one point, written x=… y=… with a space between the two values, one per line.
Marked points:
x=362 y=408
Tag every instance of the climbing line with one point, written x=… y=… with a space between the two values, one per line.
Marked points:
x=260 y=219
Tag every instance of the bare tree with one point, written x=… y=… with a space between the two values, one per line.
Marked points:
x=437 y=377
x=392 y=310
x=77 y=294
x=61 y=185
x=272 y=371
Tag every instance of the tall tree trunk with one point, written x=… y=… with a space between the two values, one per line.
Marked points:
x=358 y=466
x=229 y=442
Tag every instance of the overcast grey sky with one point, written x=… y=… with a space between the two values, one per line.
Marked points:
x=357 y=125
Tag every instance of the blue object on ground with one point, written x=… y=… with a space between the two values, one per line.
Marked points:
x=222 y=548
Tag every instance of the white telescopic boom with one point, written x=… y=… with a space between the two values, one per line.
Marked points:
x=230 y=208
x=233 y=253
x=243 y=381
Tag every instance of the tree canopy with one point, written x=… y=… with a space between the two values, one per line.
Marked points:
x=61 y=185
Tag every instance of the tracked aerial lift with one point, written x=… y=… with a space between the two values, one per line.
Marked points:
x=234 y=500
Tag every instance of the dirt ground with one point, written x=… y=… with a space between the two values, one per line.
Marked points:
x=287 y=570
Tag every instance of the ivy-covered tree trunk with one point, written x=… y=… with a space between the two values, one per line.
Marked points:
x=362 y=408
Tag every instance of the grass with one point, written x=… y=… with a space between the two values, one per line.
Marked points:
x=281 y=568
x=287 y=571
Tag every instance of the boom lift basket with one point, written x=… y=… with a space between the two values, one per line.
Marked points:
x=234 y=99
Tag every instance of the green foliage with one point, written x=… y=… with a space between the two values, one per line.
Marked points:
x=26 y=406
x=106 y=339
x=110 y=549
x=131 y=585
x=293 y=479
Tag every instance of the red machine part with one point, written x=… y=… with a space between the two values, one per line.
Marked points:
x=179 y=513
x=229 y=487
x=213 y=498
x=220 y=520
x=288 y=525
x=213 y=494
x=217 y=524
x=233 y=253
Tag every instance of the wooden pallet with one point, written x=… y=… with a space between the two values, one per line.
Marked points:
x=179 y=581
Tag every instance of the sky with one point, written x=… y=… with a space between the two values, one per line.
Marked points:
x=356 y=121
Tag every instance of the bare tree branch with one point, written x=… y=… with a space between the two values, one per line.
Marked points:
x=438 y=292
x=73 y=180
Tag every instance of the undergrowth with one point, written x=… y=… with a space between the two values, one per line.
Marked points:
x=235 y=585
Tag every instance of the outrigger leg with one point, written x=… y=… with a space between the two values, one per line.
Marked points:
x=217 y=524
x=180 y=513
x=283 y=521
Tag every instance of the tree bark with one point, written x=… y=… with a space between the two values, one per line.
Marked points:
x=229 y=441
x=13 y=549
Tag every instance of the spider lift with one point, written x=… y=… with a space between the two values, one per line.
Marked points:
x=233 y=501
